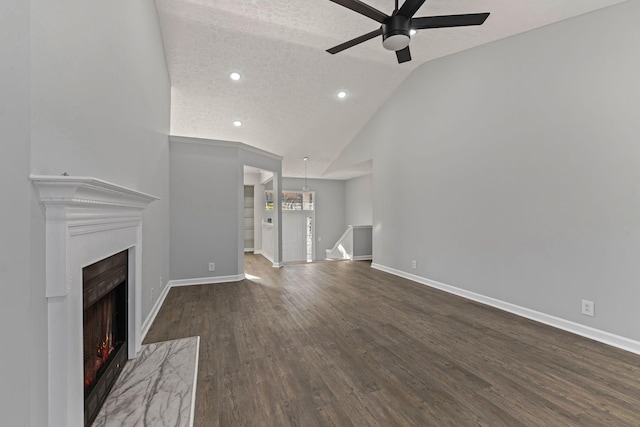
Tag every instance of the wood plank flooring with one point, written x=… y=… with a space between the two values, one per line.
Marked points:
x=341 y=344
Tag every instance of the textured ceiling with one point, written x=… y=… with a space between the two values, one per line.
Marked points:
x=286 y=98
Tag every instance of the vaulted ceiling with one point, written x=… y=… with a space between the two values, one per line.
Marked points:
x=286 y=97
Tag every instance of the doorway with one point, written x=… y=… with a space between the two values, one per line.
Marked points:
x=298 y=226
x=260 y=221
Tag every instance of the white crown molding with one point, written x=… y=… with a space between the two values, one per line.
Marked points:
x=566 y=325
x=220 y=143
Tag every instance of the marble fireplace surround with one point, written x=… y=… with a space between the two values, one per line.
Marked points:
x=87 y=219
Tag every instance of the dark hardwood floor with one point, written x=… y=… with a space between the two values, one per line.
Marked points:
x=340 y=344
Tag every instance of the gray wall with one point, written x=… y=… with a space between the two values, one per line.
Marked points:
x=362 y=241
x=330 y=218
x=16 y=327
x=101 y=106
x=207 y=204
x=204 y=213
x=85 y=90
x=513 y=170
x=359 y=200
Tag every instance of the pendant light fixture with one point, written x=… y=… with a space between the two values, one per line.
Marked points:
x=305 y=187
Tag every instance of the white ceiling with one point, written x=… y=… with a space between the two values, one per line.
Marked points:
x=286 y=98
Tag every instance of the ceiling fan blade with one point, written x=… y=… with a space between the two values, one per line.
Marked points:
x=410 y=7
x=403 y=55
x=448 y=21
x=356 y=41
x=363 y=9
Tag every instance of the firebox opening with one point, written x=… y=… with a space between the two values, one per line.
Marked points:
x=104 y=328
x=104 y=333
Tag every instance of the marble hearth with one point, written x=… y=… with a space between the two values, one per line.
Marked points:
x=87 y=220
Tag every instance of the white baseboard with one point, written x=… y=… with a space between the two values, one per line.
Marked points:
x=183 y=282
x=154 y=312
x=249 y=250
x=566 y=325
x=207 y=280
x=362 y=258
x=266 y=256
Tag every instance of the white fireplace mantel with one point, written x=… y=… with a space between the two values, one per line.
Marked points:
x=82 y=190
x=87 y=219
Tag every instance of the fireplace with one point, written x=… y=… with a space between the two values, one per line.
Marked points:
x=88 y=220
x=104 y=330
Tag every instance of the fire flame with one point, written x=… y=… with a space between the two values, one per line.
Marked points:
x=104 y=349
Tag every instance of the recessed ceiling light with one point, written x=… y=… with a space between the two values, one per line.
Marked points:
x=342 y=94
x=412 y=32
x=234 y=76
x=237 y=123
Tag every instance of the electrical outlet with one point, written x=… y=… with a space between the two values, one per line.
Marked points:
x=588 y=308
x=413 y=264
x=212 y=266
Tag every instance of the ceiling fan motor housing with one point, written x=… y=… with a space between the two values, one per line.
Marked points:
x=395 y=32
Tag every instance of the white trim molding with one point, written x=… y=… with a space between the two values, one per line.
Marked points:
x=566 y=325
x=220 y=143
x=207 y=280
x=86 y=220
x=361 y=258
x=184 y=282
x=146 y=325
x=266 y=256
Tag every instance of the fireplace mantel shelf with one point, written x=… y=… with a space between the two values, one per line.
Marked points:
x=87 y=191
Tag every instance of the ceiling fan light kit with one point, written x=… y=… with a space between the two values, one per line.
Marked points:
x=395 y=33
x=395 y=29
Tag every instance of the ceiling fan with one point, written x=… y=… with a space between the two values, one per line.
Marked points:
x=395 y=28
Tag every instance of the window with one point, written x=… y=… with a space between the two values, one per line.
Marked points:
x=307 y=201
x=291 y=201
x=268 y=200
